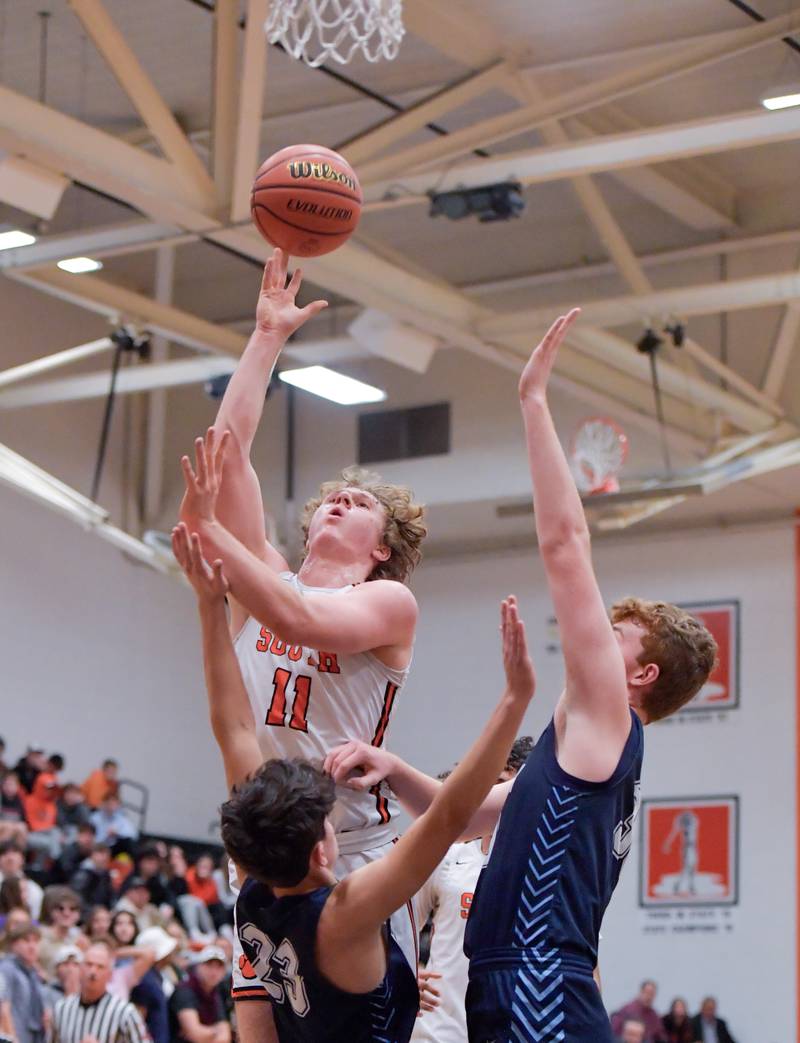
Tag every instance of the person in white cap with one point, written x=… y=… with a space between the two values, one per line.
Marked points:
x=196 y=1005
x=67 y=963
x=149 y=994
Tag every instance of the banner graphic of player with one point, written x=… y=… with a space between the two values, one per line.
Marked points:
x=721 y=691
x=689 y=851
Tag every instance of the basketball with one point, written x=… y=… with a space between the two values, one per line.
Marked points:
x=306 y=199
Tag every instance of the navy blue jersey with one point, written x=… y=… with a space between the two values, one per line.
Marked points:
x=537 y=910
x=279 y=936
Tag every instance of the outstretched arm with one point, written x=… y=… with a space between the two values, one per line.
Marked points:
x=413 y=788
x=363 y=901
x=232 y=719
x=240 y=508
x=379 y=614
x=596 y=698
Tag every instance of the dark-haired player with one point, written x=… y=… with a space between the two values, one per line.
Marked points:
x=322 y=949
x=566 y=819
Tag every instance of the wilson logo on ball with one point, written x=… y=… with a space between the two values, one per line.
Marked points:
x=322 y=172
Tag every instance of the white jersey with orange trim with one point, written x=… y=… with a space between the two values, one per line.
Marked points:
x=448 y=895
x=307 y=701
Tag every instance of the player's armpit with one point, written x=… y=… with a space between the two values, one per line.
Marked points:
x=485 y=819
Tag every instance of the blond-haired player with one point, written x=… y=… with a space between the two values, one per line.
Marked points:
x=325 y=651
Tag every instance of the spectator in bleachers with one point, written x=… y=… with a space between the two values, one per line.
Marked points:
x=641 y=1009
x=61 y=911
x=136 y=900
x=222 y=879
x=67 y=961
x=29 y=766
x=6 y=1022
x=677 y=1024
x=11 y=899
x=94 y=1015
x=41 y=809
x=707 y=1027
x=196 y=1004
x=13 y=824
x=149 y=995
x=72 y=812
x=26 y=991
x=12 y=863
x=113 y=826
x=149 y=866
x=92 y=879
x=178 y=966
x=201 y=884
x=100 y=783
x=73 y=853
x=633 y=1031
x=131 y=960
x=98 y=922
x=3 y=766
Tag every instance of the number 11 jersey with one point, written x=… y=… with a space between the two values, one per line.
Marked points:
x=307 y=701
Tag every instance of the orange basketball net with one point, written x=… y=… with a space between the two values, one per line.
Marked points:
x=316 y=30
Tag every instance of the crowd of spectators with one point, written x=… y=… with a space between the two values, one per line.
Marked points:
x=104 y=935
x=639 y=1022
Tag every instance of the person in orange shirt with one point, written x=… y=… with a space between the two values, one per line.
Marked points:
x=100 y=783
x=200 y=882
x=41 y=809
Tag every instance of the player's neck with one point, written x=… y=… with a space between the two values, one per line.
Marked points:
x=318 y=571
x=320 y=877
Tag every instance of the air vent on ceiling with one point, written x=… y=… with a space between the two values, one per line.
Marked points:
x=402 y=434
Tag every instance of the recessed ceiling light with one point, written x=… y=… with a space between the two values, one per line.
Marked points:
x=79 y=265
x=320 y=380
x=782 y=98
x=11 y=240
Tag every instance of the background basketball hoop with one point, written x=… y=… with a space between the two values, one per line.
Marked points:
x=316 y=30
x=599 y=449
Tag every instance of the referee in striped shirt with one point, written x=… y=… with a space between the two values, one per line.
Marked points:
x=93 y=1015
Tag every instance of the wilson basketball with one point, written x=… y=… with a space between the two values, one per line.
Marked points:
x=306 y=199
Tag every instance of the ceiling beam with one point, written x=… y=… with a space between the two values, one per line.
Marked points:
x=251 y=100
x=122 y=305
x=154 y=186
x=105 y=241
x=365 y=145
x=223 y=121
x=704 y=299
x=687 y=190
x=607 y=153
x=35 y=367
x=142 y=92
x=578 y=99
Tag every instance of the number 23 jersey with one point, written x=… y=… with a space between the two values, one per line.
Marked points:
x=307 y=701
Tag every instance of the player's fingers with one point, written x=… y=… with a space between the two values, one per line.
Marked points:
x=312 y=309
x=179 y=546
x=295 y=282
x=281 y=263
x=346 y=764
x=337 y=755
x=219 y=578
x=200 y=458
x=188 y=473
x=196 y=553
x=366 y=781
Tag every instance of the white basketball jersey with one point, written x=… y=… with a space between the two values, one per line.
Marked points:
x=307 y=701
x=448 y=895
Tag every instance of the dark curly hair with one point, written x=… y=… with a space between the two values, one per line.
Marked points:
x=273 y=819
x=404 y=530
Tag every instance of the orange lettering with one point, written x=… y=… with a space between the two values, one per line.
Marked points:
x=262 y=645
x=328 y=663
x=466 y=902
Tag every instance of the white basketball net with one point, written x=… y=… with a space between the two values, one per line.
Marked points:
x=316 y=30
x=599 y=449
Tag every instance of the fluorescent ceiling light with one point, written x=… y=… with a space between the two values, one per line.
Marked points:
x=11 y=240
x=782 y=98
x=79 y=265
x=320 y=380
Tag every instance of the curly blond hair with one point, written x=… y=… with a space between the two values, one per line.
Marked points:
x=405 y=529
x=679 y=644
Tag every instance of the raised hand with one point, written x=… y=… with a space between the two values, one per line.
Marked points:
x=517 y=663
x=276 y=311
x=533 y=382
x=208 y=581
x=373 y=763
x=203 y=481
x=429 y=995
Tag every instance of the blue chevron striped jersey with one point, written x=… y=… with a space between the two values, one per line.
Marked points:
x=533 y=928
x=278 y=936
